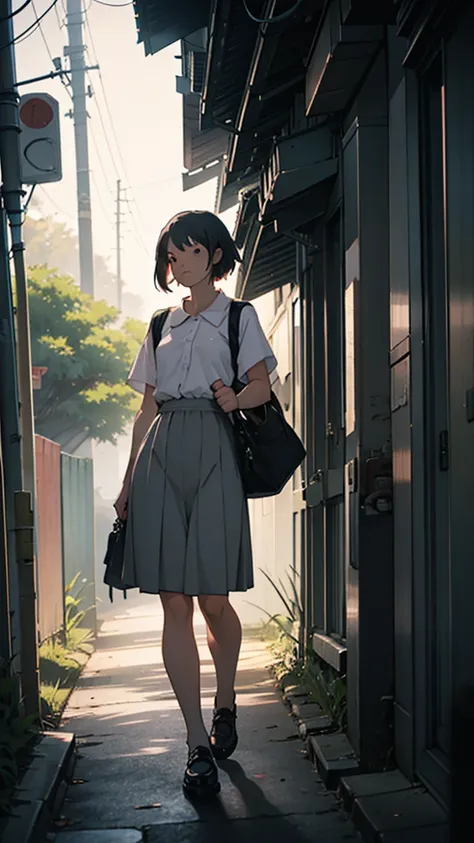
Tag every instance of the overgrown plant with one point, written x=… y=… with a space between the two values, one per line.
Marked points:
x=17 y=732
x=326 y=688
x=296 y=661
x=74 y=636
x=292 y=624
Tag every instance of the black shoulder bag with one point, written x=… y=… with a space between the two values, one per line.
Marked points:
x=268 y=449
x=114 y=556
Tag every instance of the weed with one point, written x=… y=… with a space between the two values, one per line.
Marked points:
x=295 y=660
x=17 y=734
x=74 y=635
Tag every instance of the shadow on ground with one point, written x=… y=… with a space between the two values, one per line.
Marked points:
x=132 y=751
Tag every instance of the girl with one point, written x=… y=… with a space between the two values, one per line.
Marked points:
x=187 y=519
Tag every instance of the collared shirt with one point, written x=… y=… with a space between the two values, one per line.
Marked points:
x=194 y=353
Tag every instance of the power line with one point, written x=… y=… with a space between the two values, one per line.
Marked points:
x=114 y=5
x=104 y=94
x=43 y=36
x=283 y=16
x=117 y=144
x=31 y=29
x=104 y=128
x=101 y=201
x=99 y=156
x=55 y=204
x=16 y=11
x=61 y=25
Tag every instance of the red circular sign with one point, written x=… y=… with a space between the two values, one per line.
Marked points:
x=36 y=113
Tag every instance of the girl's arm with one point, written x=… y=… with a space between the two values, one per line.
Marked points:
x=141 y=426
x=258 y=390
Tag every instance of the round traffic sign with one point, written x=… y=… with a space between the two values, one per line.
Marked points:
x=36 y=113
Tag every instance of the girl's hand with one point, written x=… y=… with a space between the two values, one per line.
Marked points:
x=225 y=397
x=120 y=504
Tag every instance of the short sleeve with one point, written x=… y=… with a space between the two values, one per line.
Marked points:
x=143 y=370
x=253 y=345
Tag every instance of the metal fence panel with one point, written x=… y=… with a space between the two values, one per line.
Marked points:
x=49 y=545
x=77 y=486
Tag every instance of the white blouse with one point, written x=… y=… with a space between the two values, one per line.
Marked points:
x=194 y=352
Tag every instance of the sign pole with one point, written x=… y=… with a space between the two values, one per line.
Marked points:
x=12 y=195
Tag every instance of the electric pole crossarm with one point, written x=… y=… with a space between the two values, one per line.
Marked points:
x=53 y=75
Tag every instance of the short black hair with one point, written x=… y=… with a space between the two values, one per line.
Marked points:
x=190 y=227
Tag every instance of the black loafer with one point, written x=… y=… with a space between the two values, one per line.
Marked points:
x=200 y=776
x=224 y=738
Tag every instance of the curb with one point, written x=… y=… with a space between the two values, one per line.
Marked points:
x=330 y=752
x=388 y=808
x=384 y=807
x=42 y=789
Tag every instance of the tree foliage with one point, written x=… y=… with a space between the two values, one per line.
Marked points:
x=87 y=356
x=51 y=243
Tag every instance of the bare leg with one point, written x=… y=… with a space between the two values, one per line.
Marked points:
x=181 y=659
x=224 y=637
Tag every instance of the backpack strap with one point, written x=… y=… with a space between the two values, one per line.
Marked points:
x=157 y=324
x=236 y=308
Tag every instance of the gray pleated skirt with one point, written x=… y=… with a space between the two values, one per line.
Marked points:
x=187 y=523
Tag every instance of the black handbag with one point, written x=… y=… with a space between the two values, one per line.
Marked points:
x=114 y=557
x=268 y=449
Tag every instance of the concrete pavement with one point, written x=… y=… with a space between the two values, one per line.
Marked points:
x=132 y=750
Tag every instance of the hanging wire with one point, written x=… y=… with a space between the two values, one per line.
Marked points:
x=55 y=205
x=282 y=16
x=101 y=201
x=61 y=25
x=30 y=196
x=132 y=201
x=16 y=11
x=100 y=159
x=30 y=30
x=43 y=36
x=115 y=5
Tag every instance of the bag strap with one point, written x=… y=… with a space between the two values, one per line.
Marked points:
x=236 y=308
x=157 y=324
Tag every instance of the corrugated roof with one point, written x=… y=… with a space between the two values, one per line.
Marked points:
x=277 y=72
x=161 y=22
x=200 y=147
x=268 y=261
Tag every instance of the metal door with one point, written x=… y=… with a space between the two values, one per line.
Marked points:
x=431 y=511
x=319 y=490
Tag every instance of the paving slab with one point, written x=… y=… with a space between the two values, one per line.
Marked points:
x=400 y=812
x=372 y=784
x=427 y=834
x=132 y=751
x=100 y=835
x=304 y=710
x=333 y=756
x=297 y=828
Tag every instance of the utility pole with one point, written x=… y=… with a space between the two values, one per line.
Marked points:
x=75 y=51
x=19 y=471
x=119 y=256
x=6 y=644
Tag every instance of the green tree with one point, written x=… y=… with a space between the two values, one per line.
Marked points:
x=51 y=243
x=83 y=394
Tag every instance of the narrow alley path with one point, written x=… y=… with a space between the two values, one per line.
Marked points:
x=132 y=752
